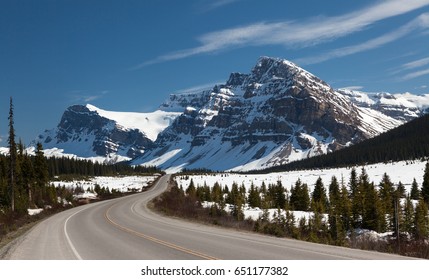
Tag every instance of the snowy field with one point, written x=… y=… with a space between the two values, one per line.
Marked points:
x=403 y=171
x=122 y=184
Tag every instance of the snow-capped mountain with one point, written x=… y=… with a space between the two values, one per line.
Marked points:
x=89 y=132
x=275 y=114
x=401 y=106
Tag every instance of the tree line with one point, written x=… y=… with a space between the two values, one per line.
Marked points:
x=337 y=210
x=25 y=179
x=406 y=142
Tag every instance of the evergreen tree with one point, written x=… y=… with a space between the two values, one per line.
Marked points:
x=388 y=199
x=334 y=191
x=344 y=207
x=415 y=193
x=319 y=201
x=191 y=191
x=353 y=183
x=253 y=198
x=217 y=196
x=425 y=185
x=12 y=157
x=41 y=177
x=357 y=195
x=408 y=216
x=277 y=195
x=421 y=228
x=372 y=211
x=401 y=192
x=236 y=197
x=299 y=197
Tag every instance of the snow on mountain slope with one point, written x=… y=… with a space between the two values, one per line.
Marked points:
x=276 y=114
x=150 y=124
x=401 y=106
x=273 y=115
x=89 y=132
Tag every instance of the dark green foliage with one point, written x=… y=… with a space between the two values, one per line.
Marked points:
x=425 y=185
x=299 y=197
x=415 y=192
x=388 y=198
x=421 y=226
x=277 y=195
x=254 y=197
x=407 y=221
x=319 y=201
x=71 y=166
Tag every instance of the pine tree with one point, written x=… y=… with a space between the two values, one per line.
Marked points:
x=425 y=185
x=299 y=197
x=408 y=216
x=357 y=194
x=41 y=177
x=319 y=201
x=344 y=207
x=253 y=198
x=388 y=199
x=334 y=191
x=371 y=208
x=421 y=221
x=12 y=157
x=415 y=193
x=191 y=191
x=353 y=183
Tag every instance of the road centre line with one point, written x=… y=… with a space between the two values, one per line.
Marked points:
x=156 y=240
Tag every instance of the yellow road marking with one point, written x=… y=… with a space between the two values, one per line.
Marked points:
x=156 y=240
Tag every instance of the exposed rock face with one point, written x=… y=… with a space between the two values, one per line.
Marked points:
x=85 y=133
x=277 y=113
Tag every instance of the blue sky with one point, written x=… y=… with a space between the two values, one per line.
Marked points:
x=129 y=55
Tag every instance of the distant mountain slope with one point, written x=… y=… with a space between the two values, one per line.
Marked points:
x=88 y=132
x=406 y=142
x=276 y=114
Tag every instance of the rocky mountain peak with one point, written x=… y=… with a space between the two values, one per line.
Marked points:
x=276 y=113
x=85 y=133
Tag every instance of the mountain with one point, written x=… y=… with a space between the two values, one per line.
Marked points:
x=401 y=106
x=89 y=132
x=409 y=141
x=276 y=114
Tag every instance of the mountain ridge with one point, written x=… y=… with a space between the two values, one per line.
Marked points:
x=273 y=115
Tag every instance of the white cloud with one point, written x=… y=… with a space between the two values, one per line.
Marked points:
x=294 y=34
x=353 y=87
x=416 y=63
x=86 y=97
x=416 y=74
x=211 y=5
x=199 y=88
x=418 y=23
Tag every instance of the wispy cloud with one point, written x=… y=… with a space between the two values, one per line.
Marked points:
x=294 y=34
x=353 y=87
x=83 y=96
x=416 y=63
x=209 y=5
x=420 y=22
x=415 y=74
x=199 y=88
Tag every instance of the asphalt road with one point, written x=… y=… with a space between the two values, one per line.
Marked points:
x=125 y=228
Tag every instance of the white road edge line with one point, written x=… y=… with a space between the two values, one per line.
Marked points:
x=68 y=238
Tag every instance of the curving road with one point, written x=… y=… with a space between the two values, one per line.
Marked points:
x=126 y=229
